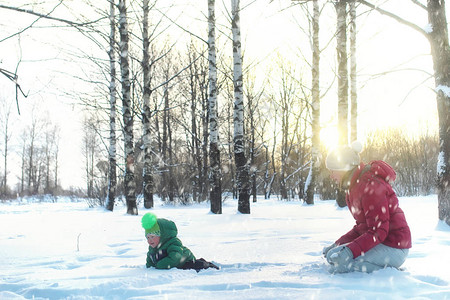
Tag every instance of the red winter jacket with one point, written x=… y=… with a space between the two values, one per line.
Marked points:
x=374 y=205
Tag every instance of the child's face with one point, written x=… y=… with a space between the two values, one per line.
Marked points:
x=337 y=175
x=153 y=240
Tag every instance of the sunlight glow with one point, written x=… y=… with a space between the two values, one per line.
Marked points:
x=329 y=137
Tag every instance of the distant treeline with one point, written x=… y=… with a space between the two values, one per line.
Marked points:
x=414 y=160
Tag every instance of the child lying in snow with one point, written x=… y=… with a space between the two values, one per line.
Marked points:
x=165 y=250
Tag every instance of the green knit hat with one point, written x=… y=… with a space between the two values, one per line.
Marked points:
x=150 y=224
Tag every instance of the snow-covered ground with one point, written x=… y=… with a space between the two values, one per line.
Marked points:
x=66 y=250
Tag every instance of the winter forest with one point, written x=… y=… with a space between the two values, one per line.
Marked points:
x=182 y=113
x=216 y=119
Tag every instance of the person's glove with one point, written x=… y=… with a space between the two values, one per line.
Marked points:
x=211 y=265
x=341 y=258
x=327 y=248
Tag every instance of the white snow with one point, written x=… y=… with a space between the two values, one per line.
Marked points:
x=428 y=28
x=444 y=89
x=440 y=164
x=66 y=250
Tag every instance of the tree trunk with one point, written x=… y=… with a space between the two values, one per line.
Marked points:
x=266 y=173
x=195 y=151
x=341 y=47
x=31 y=162
x=167 y=180
x=6 y=113
x=285 y=111
x=205 y=183
x=147 y=176
x=310 y=184
x=112 y=182
x=440 y=51
x=91 y=167
x=47 y=162
x=56 y=164
x=252 y=146
x=214 y=151
x=272 y=155
x=130 y=184
x=242 y=177
x=353 y=88
x=5 y=153
x=23 y=164
x=196 y=96
x=230 y=153
x=172 y=184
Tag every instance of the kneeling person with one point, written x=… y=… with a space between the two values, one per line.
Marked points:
x=165 y=250
x=381 y=236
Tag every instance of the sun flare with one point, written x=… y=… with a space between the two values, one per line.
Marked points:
x=329 y=137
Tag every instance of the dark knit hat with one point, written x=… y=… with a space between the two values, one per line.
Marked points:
x=344 y=158
x=150 y=224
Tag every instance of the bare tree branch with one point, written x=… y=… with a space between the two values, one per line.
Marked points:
x=420 y=4
x=182 y=28
x=28 y=27
x=47 y=16
x=395 y=17
x=13 y=77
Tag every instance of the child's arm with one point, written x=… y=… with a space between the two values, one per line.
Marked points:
x=173 y=258
x=149 y=261
x=152 y=259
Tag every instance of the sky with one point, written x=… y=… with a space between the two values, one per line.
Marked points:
x=401 y=99
x=67 y=250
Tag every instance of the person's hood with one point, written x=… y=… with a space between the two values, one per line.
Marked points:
x=168 y=230
x=376 y=168
x=383 y=170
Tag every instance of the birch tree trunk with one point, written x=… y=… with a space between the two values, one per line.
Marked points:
x=112 y=112
x=440 y=51
x=214 y=151
x=206 y=187
x=310 y=184
x=130 y=184
x=203 y=152
x=147 y=177
x=353 y=88
x=341 y=47
x=242 y=177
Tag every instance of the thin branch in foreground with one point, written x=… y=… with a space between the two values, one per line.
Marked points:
x=46 y=16
x=395 y=17
x=13 y=77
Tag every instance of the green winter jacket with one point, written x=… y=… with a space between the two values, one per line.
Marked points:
x=170 y=252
